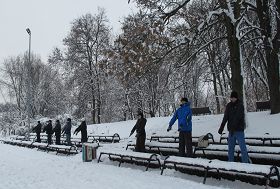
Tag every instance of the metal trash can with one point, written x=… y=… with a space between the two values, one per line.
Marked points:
x=89 y=151
x=86 y=153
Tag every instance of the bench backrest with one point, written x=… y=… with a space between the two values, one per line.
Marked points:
x=201 y=110
x=264 y=105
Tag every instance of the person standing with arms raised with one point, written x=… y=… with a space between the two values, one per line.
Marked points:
x=184 y=116
x=83 y=128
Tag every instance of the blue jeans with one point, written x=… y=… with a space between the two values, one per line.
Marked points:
x=239 y=136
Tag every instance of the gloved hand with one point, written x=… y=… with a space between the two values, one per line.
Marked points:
x=220 y=131
x=168 y=129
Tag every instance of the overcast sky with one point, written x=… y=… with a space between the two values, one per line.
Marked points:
x=49 y=22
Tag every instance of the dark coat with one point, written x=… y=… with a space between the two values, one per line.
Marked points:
x=83 y=128
x=48 y=129
x=38 y=128
x=139 y=127
x=234 y=117
x=67 y=128
x=57 y=129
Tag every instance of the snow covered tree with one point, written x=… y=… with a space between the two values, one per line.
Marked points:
x=87 y=45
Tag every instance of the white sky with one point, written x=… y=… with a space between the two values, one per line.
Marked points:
x=49 y=22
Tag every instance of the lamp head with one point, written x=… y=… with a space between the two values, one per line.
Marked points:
x=28 y=31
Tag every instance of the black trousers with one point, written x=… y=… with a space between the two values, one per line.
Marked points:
x=84 y=138
x=57 y=139
x=185 y=142
x=38 y=137
x=140 y=142
x=49 y=138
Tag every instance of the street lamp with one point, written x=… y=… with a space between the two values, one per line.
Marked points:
x=28 y=95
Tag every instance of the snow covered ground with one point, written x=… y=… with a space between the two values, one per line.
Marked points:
x=23 y=168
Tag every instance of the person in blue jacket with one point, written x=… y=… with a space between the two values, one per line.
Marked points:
x=184 y=116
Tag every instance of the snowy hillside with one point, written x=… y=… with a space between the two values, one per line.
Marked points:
x=259 y=124
x=23 y=168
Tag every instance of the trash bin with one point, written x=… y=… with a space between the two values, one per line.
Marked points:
x=89 y=151
x=86 y=153
x=94 y=152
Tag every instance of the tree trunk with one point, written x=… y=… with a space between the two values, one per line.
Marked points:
x=234 y=48
x=271 y=46
x=93 y=112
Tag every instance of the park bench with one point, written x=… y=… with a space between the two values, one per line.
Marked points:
x=156 y=146
x=11 y=141
x=175 y=138
x=62 y=149
x=272 y=152
x=43 y=137
x=131 y=157
x=17 y=137
x=253 y=139
x=104 y=138
x=40 y=146
x=201 y=111
x=262 y=105
x=74 y=140
x=267 y=173
x=26 y=143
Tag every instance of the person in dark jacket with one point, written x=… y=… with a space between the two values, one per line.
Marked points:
x=234 y=116
x=57 y=131
x=140 y=133
x=184 y=116
x=83 y=128
x=48 y=130
x=37 y=129
x=67 y=131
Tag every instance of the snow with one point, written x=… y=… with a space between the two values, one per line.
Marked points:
x=28 y=168
x=259 y=123
x=23 y=168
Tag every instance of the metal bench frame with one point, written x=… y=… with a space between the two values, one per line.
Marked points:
x=153 y=157
x=274 y=171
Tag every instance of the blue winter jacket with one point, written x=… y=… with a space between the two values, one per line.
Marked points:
x=184 y=116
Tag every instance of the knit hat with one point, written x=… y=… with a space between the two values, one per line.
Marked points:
x=184 y=99
x=140 y=114
x=234 y=94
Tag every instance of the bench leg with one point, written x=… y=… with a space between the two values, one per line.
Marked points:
x=273 y=172
x=148 y=164
x=150 y=161
x=204 y=153
x=99 y=157
x=205 y=175
x=121 y=161
x=162 y=168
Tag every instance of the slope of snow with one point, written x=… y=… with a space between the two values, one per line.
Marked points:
x=22 y=168
x=259 y=124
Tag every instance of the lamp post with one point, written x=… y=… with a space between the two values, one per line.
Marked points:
x=28 y=95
